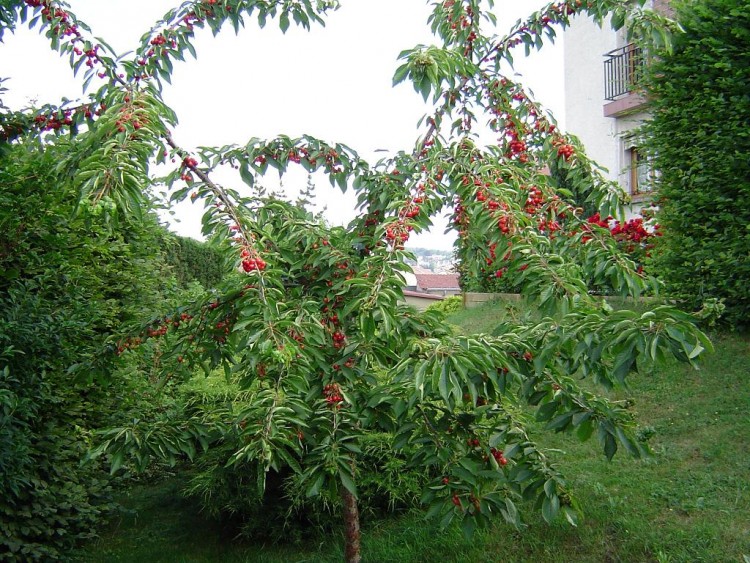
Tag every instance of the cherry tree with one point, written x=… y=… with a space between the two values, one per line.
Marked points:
x=313 y=325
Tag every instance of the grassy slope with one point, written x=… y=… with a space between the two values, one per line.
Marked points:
x=691 y=502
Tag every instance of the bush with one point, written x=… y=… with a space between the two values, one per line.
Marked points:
x=192 y=260
x=448 y=305
x=699 y=141
x=66 y=283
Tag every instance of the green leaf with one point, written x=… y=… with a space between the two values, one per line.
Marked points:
x=547 y=410
x=610 y=445
x=246 y=174
x=550 y=508
x=117 y=459
x=468 y=525
x=447 y=518
x=191 y=49
x=289 y=459
x=623 y=364
x=465 y=475
x=630 y=446
x=348 y=481
x=585 y=430
x=367 y=326
x=550 y=487
x=400 y=74
x=570 y=515
x=424 y=87
x=314 y=489
x=560 y=422
x=443 y=384
x=260 y=481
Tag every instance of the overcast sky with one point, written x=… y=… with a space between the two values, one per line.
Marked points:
x=333 y=83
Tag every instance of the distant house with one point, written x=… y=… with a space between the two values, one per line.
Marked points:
x=423 y=288
x=437 y=284
x=420 y=300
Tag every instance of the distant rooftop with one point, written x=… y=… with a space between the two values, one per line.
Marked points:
x=437 y=281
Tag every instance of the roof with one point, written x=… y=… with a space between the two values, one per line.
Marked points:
x=437 y=281
x=422 y=295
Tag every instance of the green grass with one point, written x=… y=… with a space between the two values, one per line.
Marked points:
x=689 y=503
x=485 y=318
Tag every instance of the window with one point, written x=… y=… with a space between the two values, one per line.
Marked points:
x=640 y=173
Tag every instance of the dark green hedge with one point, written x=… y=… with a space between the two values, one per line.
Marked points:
x=700 y=143
x=68 y=283
x=192 y=260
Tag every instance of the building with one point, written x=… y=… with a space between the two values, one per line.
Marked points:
x=420 y=300
x=423 y=287
x=438 y=284
x=603 y=103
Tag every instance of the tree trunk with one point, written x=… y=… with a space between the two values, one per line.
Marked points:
x=352 y=552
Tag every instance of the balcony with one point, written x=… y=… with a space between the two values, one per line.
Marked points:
x=623 y=71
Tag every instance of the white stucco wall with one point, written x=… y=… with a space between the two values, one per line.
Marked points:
x=585 y=45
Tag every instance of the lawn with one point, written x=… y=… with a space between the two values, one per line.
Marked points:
x=690 y=502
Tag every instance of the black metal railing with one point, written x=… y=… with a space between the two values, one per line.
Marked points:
x=623 y=70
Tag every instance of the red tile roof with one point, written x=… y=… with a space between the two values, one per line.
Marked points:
x=437 y=281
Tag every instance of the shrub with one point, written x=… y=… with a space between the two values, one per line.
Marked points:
x=66 y=282
x=699 y=142
x=448 y=305
x=192 y=260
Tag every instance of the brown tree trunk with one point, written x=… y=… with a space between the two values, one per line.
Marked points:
x=352 y=552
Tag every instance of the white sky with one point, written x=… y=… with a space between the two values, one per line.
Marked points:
x=333 y=83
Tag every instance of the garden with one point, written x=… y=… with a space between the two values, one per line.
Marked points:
x=266 y=395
